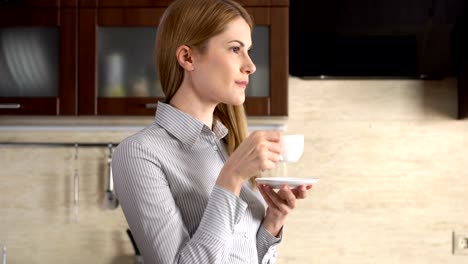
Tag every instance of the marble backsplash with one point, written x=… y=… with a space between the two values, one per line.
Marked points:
x=391 y=156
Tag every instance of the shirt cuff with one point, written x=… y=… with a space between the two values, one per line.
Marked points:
x=223 y=212
x=266 y=244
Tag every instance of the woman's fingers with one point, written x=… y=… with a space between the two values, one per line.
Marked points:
x=267 y=163
x=272 y=135
x=274 y=157
x=287 y=195
x=265 y=145
x=301 y=191
x=275 y=147
x=259 y=152
x=268 y=154
x=284 y=200
x=262 y=189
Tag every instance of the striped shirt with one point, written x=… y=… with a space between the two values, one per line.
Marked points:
x=165 y=179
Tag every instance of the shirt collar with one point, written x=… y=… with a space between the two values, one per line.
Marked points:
x=183 y=126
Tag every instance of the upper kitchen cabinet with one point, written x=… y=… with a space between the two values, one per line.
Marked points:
x=96 y=57
x=267 y=94
x=38 y=54
x=117 y=73
x=116 y=68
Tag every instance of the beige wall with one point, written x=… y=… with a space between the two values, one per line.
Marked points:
x=390 y=154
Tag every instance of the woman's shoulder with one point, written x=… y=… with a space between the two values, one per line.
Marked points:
x=151 y=137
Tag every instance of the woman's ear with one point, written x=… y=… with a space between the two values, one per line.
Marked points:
x=184 y=56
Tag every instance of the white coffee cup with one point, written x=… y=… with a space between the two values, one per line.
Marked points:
x=293 y=147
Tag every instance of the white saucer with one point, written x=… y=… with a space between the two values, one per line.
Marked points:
x=276 y=183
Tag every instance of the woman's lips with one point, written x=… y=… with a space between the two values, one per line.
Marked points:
x=242 y=83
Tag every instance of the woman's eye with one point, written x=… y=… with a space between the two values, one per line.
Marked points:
x=235 y=49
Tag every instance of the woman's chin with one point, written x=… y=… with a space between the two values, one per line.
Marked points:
x=240 y=101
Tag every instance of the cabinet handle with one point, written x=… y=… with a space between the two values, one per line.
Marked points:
x=10 y=106
x=151 y=106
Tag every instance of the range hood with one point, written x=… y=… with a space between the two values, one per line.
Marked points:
x=374 y=38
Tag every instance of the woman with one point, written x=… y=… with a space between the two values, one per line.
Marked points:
x=183 y=182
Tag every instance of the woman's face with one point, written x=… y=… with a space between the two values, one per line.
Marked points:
x=221 y=73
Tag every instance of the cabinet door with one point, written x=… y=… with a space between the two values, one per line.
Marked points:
x=117 y=72
x=117 y=69
x=267 y=94
x=38 y=57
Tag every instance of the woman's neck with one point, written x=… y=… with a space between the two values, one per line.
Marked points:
x=187 y=101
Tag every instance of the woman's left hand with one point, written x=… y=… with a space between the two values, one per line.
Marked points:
x=280 y=204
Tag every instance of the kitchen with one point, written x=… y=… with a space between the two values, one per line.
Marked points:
x=390 y=153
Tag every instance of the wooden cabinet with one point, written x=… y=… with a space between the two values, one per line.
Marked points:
x=115 y=73
x=460 y=56
x=122 y=19
x=38 y=57
x=276 y=20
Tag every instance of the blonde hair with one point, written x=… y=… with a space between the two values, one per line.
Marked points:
x=193 y=23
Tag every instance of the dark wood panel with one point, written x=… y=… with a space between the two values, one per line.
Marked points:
x=69 y=3
x=257 y=106
x=133 y=3
x=78 y=38
x=459 y=54
x=38 y=16
x=279 y=60
x=254 y=106
x=463 y=93
x=129 y=16
x=40 y=2
x=261 y=15
x=87 y=65
x=264 y=3
x=88 y=3
x=127 y=106
x=31 y=106
x=165 y=3
x=280 y=2
x=246 y=3
x=30 y=3
x=68 y=88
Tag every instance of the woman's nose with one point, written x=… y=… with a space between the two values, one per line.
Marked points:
x=249 y=66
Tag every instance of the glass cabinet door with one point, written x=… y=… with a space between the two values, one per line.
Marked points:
x=33 y=35
x=126 y=66
x=28 y=62
x=117 y=71
x=268 y=93
x=259 y=82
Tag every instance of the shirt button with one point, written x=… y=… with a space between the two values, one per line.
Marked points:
x=215 y=148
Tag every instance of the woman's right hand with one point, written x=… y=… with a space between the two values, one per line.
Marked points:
x=258 y=152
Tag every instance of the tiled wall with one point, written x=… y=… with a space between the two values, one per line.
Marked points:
x=390 y=154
